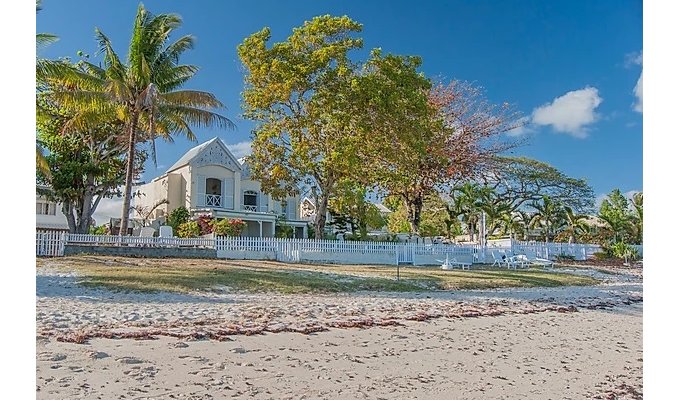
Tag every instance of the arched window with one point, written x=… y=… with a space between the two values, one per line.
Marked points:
x=250 y=200
x=213 y=192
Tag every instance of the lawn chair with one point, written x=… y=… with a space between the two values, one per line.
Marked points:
x=497 y=259
x=519 y=260
x=542 y=262
x=450 y=263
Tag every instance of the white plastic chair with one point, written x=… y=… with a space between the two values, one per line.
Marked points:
x=165 y=231
x=147 y=231
x=497 y=259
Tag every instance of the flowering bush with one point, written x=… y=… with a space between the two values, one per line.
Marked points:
x=188 y=229
x=205 y=224
x=228 y=227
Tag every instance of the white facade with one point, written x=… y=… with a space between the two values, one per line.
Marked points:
x=208 y=179
x=48 y=215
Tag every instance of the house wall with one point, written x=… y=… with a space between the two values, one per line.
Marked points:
x=56 y=221
x=211 y=171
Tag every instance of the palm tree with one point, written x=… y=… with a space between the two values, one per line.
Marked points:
x=548 y=214
x=468 y=203
x=573 y=223
x=497 y=214
x=636 y=202
x=143 y=92
x=42 y=40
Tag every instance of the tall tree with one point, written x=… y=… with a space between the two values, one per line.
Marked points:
x=143 y=92
x=297 y=91
x=41 y=40
x=615 y=212
x=397 y=126
x=84 y=166
x=521 y=181
x=547 y=216
x=636 y=202
x=437 y=135
x=574 y=224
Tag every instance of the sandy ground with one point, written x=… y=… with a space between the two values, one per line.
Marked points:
x=546 y=343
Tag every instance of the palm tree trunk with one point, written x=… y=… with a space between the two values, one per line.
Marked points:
x=132 y=134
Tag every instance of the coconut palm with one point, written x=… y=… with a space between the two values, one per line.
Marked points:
x=547 y=216
x=573 y=224
x=468 y=201
x=497 y=213
x=143 y=92
x=636 y=202
x=42 y=40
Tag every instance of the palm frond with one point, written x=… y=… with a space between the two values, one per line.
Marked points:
x=114 y=68
x=197 y=117
x=44 y=39
x=192 y=98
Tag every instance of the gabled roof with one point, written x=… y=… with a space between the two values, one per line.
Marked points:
x=196 y=151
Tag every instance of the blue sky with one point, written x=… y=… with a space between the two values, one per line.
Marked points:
x=571 y=67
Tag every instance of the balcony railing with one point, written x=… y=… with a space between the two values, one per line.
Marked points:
x=250 y=208
x=213 y=200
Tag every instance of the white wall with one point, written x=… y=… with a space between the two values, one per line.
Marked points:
x=56 y=221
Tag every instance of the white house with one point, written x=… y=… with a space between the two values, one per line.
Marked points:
x=208 y=179
x=48 y=215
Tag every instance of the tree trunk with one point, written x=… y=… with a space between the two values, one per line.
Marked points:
x=414 y=210
x=132 y=132
x=67 y=209
x=320 y=218
x=85 y=211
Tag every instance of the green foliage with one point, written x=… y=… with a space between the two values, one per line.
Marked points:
x=84 y=164
x=177 y=217
x=141 y=93
x=283 y=230
x=623 y=218
x=522 y=180
x=350 y=206
x=296 y=91
x=99 y=230
x=228 y=227
x=188 y=229
x=623 y=250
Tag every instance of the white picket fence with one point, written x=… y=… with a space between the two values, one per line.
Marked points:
x=49 y=243
x=551 y=251
x=332 y=251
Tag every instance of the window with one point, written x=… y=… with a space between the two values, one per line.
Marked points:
x=250 y=200
x=284 y=208
x=42 y=208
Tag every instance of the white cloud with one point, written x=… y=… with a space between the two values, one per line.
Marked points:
x=107 y=209
x=570 y=113
x=241 y=149
x=634 y=58
x=637 y=91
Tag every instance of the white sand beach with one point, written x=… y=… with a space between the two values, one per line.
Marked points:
x=542 y=343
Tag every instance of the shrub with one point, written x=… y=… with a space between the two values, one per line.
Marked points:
x=228 y=227
x=623 y=250
x=601 y=255
x=188 y=229
x=566 y=257
x=177 y=217
x=205 y=224
x=99 y=230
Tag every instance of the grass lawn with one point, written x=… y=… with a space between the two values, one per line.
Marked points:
x=186 y=275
